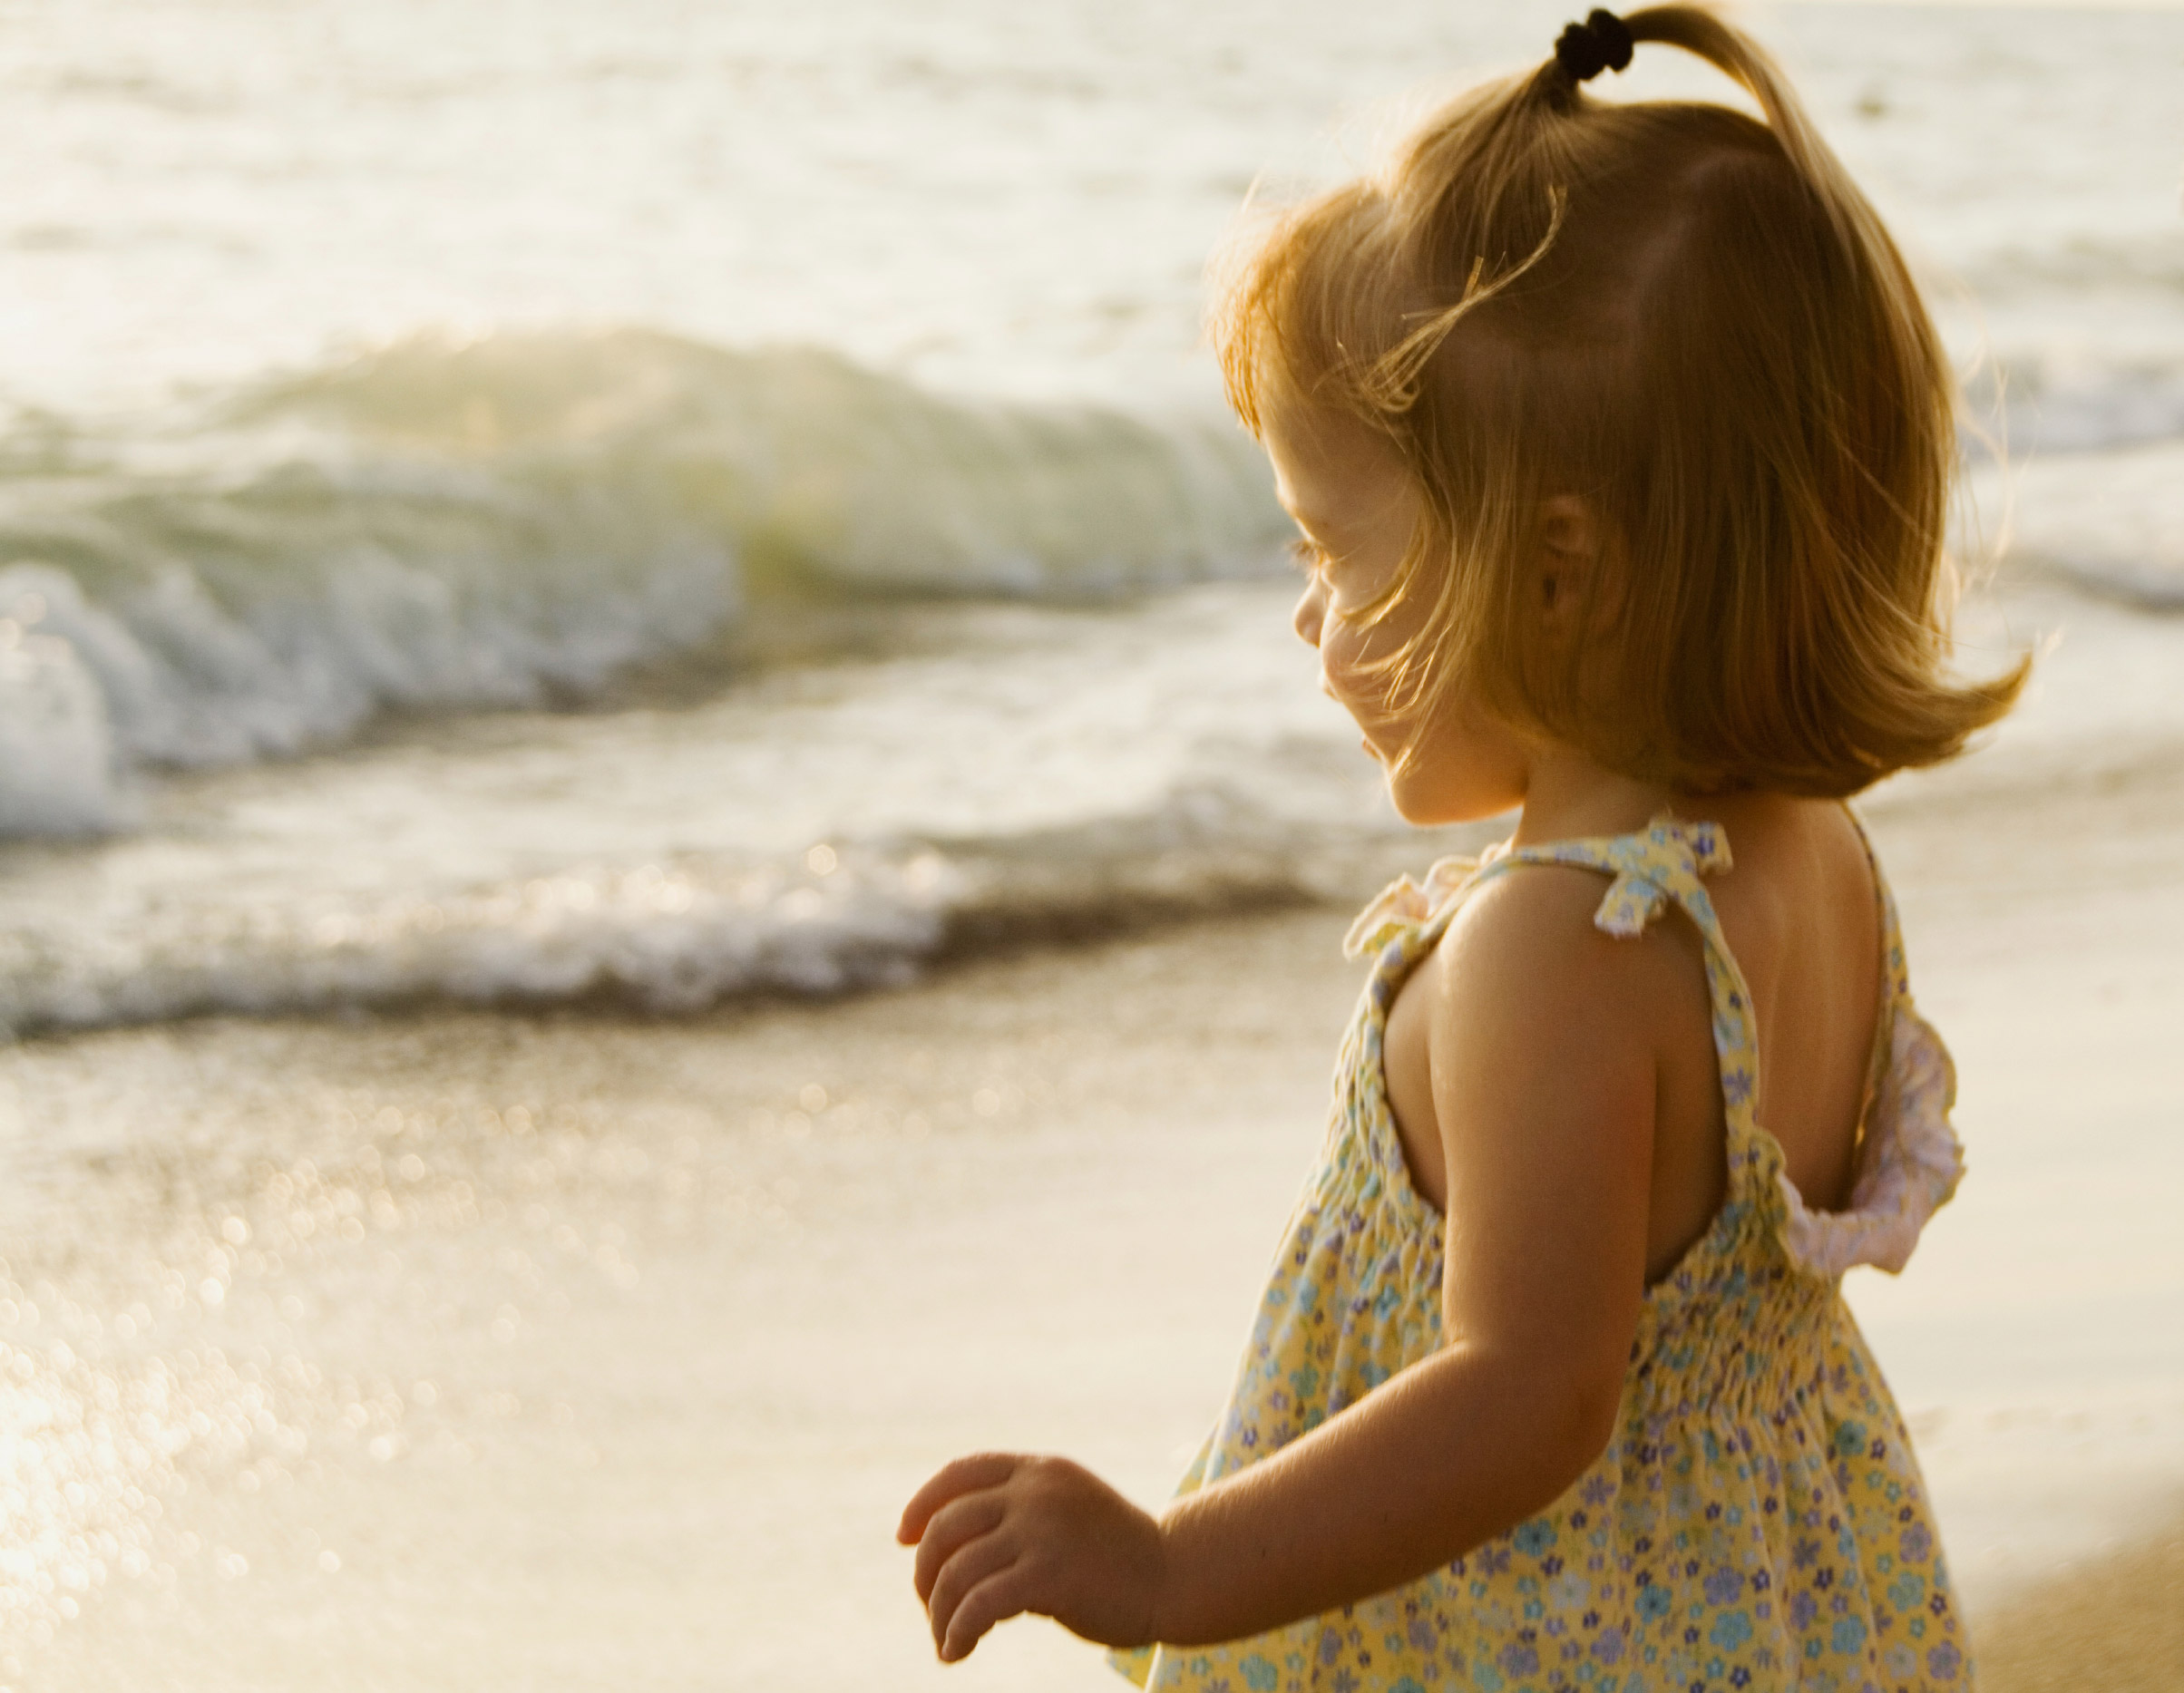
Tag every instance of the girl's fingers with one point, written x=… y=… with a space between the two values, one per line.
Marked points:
x=972 y=1475
x=978 y=1562
x=958 y=1521
x=999 y=1597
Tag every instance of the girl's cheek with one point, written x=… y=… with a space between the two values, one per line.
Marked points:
x=1342 y=666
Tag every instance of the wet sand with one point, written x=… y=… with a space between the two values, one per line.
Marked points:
x=2115 y=1623
x=468 y=1350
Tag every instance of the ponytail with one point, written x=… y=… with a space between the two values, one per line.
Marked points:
x=1705 y=35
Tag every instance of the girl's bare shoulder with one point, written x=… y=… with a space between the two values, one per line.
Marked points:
x=1525 y=951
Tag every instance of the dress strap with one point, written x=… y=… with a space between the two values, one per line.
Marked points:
x=1661 y=865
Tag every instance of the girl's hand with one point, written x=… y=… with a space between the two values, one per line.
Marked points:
x=1002 y=1534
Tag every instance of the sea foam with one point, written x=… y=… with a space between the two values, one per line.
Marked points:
x=679 y=936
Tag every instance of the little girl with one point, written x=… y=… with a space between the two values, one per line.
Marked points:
x=1620 y=442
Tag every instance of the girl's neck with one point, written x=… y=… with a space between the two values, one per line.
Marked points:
x=1568 y=797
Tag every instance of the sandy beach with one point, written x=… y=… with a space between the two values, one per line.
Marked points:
x=477 y=1350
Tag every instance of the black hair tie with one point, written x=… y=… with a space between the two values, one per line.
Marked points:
x=1602 y=42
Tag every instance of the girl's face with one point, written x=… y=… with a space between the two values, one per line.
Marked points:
x=1357 y=509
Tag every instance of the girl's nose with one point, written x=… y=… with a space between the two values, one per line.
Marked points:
x=1311 y=612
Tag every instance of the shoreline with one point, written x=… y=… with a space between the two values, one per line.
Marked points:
x=558 y=1332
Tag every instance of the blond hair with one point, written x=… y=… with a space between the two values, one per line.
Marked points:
x=1695 y=322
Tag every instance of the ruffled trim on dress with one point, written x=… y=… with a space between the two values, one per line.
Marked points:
x=1405 y=904
x=1908 y=1166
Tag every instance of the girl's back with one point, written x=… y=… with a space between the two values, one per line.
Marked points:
x=1802 y=911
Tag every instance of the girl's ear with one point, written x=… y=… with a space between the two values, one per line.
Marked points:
x=1569 y=561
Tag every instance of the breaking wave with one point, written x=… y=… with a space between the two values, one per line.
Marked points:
x=517 y=520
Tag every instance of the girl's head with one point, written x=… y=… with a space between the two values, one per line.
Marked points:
x=1652 y=432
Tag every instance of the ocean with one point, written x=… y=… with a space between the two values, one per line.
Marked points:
x=652 y=503
x=672 y=520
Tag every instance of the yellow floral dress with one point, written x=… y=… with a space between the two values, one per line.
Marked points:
x=1758 y=1520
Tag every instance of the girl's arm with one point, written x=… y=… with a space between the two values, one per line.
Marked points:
x=1542 y=1061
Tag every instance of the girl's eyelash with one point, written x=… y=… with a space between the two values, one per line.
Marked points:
x=1308 y=555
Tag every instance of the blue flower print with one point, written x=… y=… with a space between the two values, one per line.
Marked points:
x=1533 y=1537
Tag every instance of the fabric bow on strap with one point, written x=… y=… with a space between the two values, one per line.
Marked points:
x=1638 y=895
